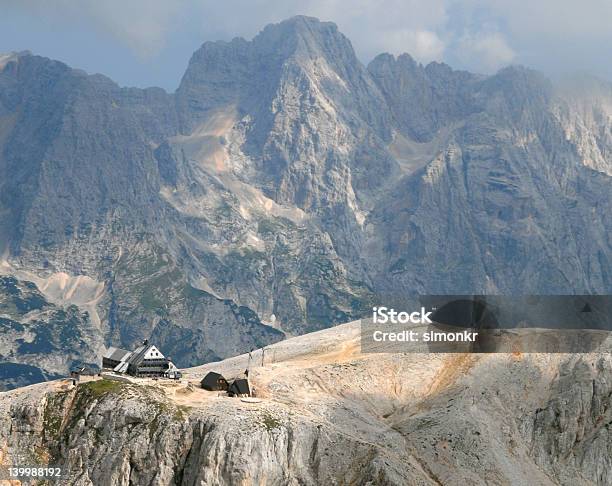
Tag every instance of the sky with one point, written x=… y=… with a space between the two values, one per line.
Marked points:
x=149 y=42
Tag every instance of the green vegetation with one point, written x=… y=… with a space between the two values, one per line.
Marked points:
x=268 y=227
x=10 y=325
x=53 y=415
x=149 y=301
x=270 y=422
x=90 y=391
x=273 y=226
x=151 y=263
x=95 y=389
x=151 y=273
x=225 y=210
x=59 y=329
x=181 y=412
x=154 y=292
x=246 y=264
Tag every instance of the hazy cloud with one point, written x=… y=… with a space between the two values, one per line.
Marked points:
x=488 y=51
x=424 y=45
x=142 y=25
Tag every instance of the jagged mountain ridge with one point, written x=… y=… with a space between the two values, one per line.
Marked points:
x=285 y=184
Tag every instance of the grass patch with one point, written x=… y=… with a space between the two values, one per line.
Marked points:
x=86 y=393
x=270 y=422
x=98 y=388
x=181 y=412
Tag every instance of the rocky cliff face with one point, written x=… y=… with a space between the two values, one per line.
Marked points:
x=330 y=415
x=585 y=111
x=494 y=192
x=284 y=185
x=39 y=335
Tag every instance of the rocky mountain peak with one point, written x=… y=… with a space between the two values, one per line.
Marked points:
x=301 y=51
x=303 y=35
x=422 y=99
x=390 y=63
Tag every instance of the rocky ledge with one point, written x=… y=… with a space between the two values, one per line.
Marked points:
x=329 y=414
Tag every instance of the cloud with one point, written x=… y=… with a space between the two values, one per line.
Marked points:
x=487 y=51
x=423 y=45
x=550 y=18
x=141 y=25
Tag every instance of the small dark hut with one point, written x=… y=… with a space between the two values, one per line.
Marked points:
x=239 y=388
x=214 y=382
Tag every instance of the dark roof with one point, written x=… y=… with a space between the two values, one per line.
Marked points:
x=211 y=382
x=240 y=386
x=211 y=375
x=138 y=355
x=116 y=354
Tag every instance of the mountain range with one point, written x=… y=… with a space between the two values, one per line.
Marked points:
x=282 y=189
